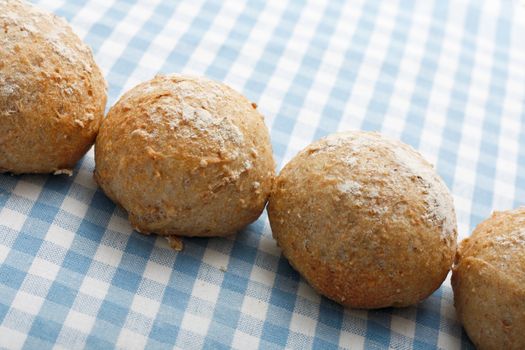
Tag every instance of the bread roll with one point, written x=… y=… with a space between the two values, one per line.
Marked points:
x=185 y=156
x=365 y=220
x=489 y=282
x=52 y=94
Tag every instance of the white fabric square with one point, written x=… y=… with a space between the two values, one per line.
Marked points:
x=27 y=302
x=44 y=268
x=12 y=219
x=145 y=306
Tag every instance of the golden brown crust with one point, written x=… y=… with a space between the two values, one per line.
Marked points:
x=489 y=282
x=185 y=156
x=365 y=220
x=52 y=94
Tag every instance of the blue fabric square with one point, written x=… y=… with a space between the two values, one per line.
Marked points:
x=112 y=313
x=26 y=243
x=275 y=334
x=126 y=280
x=61 y=294
x=45 y=329
x=76 y=262
x=11 y=277
x=164 y=332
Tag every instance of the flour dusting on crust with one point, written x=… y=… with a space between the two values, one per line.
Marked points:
x=53 y=29
x=408 y=163
x=190 y=112
x=440 y=209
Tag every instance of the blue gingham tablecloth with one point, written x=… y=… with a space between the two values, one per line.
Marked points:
x=447 y=77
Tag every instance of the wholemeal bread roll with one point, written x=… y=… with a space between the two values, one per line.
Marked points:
x=489 y=282
x=185 y=156
x=52 y=94
x=365 y=220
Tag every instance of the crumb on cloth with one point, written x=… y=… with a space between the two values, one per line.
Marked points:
x=175 y=242
x=67 y=172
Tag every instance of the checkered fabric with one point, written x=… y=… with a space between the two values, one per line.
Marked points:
x=447 y=77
